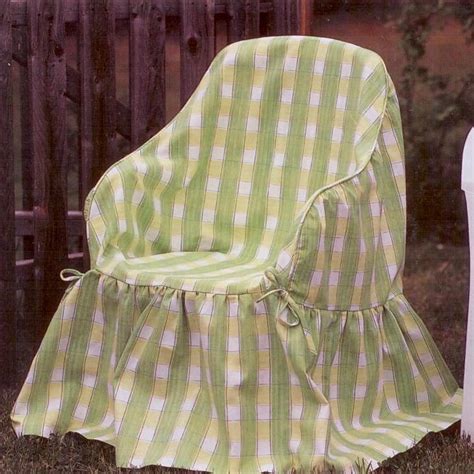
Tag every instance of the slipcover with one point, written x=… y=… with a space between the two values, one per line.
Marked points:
x=244 y=308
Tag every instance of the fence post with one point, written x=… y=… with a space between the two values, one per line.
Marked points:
x=97 y=118
x=7 y=204
x=97 y=95
x=467 y=183
x=47 y=84
x=147 y=68
x=198 y=45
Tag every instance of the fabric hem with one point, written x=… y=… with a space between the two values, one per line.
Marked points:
x=258 y=291
x=442 y=426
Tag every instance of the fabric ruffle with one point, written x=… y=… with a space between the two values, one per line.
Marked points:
x=221 y=383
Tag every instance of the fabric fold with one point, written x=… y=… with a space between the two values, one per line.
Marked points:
x=210 y=382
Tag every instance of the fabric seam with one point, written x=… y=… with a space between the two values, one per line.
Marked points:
x=257 y=292
x=336 y=184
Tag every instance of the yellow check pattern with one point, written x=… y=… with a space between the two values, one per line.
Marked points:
x=244 y=308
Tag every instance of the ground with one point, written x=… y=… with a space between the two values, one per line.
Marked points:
x=436 y=283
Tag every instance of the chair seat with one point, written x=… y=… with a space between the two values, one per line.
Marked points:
x=214 y=272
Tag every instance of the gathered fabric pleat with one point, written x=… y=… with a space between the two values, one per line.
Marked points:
x=218 y=383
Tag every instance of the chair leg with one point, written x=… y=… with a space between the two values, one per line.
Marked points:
x=467 y=422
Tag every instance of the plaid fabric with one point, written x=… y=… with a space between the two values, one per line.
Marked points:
x=244 y=311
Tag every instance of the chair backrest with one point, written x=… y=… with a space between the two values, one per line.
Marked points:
x=467 y=183
x=273 y=120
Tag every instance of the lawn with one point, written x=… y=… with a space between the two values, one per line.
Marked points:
x=436 y=283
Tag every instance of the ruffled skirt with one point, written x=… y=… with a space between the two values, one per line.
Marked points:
x=216 y=382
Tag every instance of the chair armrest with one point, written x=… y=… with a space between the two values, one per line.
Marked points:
x=349 y=248
x=122 y=211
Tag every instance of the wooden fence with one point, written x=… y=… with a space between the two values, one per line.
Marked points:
x=33 y=40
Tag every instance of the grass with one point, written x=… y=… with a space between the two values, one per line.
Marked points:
x=436 y=283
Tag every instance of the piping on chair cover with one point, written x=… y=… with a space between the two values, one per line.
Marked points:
x=244 y=308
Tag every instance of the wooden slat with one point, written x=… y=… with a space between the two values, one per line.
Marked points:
x=47 y=83
x=147 y=69
x=82 y=87
x=84 y=92
x=243 y=19
x=98 y=115
x=197 y=42
x=7 y=200
x=73 y=92
x=306 y=16
x=71 y=9
x=73 y=83
x=97 y=73
x=28 y=304
x=26 y=161
x=285 y=17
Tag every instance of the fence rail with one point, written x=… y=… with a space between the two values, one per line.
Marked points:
x=34 y=41
x=122 y=8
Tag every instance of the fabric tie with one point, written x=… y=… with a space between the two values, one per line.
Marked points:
x=287 y=302
x=70 y=274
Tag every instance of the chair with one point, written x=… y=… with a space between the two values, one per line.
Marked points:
x=244 y=308
x=467 y=181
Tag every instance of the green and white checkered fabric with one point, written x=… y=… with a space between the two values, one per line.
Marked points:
x=244 y=310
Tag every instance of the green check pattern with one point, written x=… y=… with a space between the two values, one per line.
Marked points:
x=244 y=308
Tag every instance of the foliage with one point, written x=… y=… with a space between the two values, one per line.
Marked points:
x=434 y=107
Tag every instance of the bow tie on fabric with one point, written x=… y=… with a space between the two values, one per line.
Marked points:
x=70 y=274
x=286 y=302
